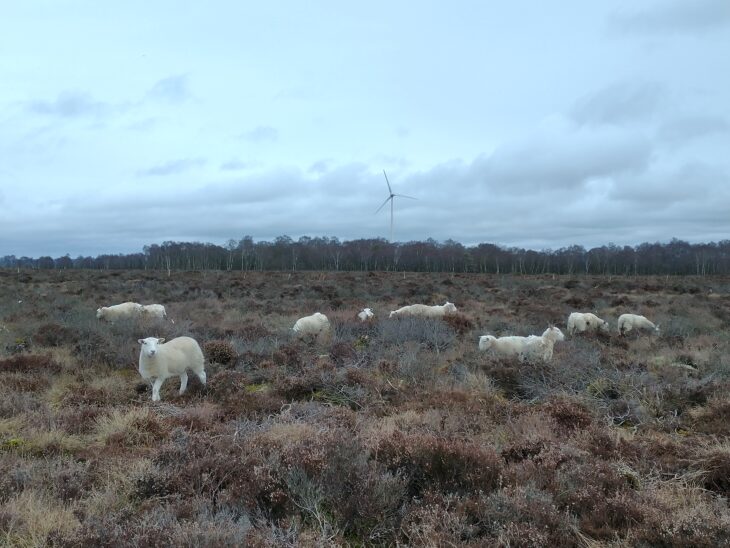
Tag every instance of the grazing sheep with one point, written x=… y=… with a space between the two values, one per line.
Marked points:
x=525 y=348
x=580 y=322
x=160 y=361
x=119 y=311
x=425 y=311
x=365 y=314
x=629 y=322
x=315 y=324
x=154 y=311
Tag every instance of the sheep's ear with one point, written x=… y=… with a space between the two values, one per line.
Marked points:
x=161 y=340
x=140 y=341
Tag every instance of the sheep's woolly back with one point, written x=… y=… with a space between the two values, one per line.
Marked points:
x=627 y=322
x=314 y=324
x=119 y=311
x=365 y=314
x=423 y=310
x=579 y=322
x=171 y=358
x=154 y=310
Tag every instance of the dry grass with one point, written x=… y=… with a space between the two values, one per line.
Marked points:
x=385 y=433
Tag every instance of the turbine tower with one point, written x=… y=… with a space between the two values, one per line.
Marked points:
x=391 y=196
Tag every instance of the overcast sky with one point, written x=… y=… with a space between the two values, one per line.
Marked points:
x=538 y=124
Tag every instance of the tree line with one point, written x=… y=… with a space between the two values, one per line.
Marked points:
x=284 y=253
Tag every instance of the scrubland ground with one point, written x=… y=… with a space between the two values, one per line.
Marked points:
x=390 y=432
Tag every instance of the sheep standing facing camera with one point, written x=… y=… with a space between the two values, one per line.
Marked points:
x=160 y=361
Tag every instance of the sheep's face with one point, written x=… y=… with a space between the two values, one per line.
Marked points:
x=449 y=308
x=150 y=346
x=392 y=313
x=604 y=327
x=100 y=312
x=485 y=342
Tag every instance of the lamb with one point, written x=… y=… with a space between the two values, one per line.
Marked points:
x=628 y=322
x=425 y=311
x=154 y=311
x=119 y=311
x=580 y=322
x=365 y=314
x=315 y=324
x=160 y=361
x=524 y=348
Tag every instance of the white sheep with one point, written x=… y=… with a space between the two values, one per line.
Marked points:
x=524 y=348
x=119 y=311
x=315 y=324
x=365 y=314
x=425 y=311
x=580 y=322
x=160 y=361
x=541 y=347
x=154 y=311
x=629 y=322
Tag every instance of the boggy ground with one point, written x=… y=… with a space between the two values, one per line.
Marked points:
x=393 y=432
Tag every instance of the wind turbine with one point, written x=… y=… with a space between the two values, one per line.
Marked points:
x=391 y=197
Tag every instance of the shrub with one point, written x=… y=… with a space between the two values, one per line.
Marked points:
x=220 y=352
x=52 y=334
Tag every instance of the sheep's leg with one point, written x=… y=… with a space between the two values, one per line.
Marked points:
x=201 y=376
x=183 y=382
x=156 y=389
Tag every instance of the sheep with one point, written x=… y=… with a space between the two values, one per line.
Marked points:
x=628 y=322
x=524 y=348
x=436 y=311
x=315 y=324
x=119 y=311
x=365 y=314
x=160 y=361
x=154 y=311
x=579 y=322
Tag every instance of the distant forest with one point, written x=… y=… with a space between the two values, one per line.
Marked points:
x=284 y=253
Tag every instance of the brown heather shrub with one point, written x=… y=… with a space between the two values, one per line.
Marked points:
x=711 y=465
x=452 y=464
x=52 y=334
x=227 y=385
x=713 y=418
x=26 y=363
x=289 y=355
x=570 y=415
x=460 y=323
x=220 y=351
x=342 y=353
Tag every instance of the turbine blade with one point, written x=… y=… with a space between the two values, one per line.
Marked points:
x=404 y=196
x=383 y=204
x=388 y=183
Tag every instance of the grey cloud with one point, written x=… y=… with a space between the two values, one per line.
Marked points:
x=563 y=161
x=677 y=16
x=235 y=165
x=173 y=89
x=689 y=128
x=620 y=103
x=261 y=134
x=172 y=167
x=70 y=104
x=321 y=166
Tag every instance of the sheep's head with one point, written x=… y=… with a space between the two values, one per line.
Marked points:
x=449 y=308
x=554 y=334
x=100 y=312
x=392 y=313
x=150 y=345
x=485 y=341
x=656 y=329
x=604 y=327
